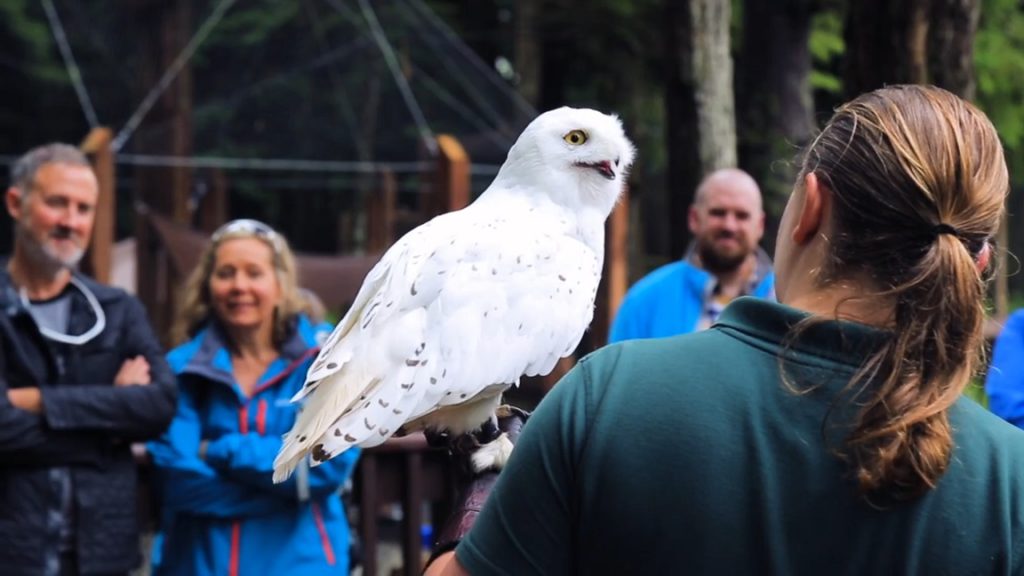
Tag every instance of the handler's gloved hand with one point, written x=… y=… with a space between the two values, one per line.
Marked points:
x=474 y=487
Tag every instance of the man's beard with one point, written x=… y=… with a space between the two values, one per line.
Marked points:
x=718 y=262
x=42 y=255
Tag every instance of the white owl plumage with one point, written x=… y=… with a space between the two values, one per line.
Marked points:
x=461 y=307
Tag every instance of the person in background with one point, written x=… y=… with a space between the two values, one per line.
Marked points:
x=722 y=263
x=1004 y=382
x=245 y=352
x=831 y=435
x=82 y=376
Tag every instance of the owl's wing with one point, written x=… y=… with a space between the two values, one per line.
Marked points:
x=464 y=304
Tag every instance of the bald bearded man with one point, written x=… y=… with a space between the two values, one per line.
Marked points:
x=722 y=263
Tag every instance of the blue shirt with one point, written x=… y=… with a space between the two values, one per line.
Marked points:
x=678 y=298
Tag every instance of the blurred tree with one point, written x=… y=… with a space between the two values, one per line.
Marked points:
x=951 y=31
x=885 y=44
x=774 y=107
x=999 y=60
x=999 y=64
x=911 y=41
x=527 y=48
x=701 y=124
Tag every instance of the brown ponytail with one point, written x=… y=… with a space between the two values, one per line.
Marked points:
x=918 y=180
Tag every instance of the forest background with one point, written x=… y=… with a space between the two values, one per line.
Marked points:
x=700 y=84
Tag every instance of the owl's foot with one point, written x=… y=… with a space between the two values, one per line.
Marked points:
x=492 y=455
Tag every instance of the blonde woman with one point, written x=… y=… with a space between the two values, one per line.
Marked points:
x=245 y=349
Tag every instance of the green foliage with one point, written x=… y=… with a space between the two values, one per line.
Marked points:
x=826 y=46
x=976 y=391
x=999 y=64
x=35 y=48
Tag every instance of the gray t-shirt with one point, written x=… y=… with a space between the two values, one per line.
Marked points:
x=52 y=314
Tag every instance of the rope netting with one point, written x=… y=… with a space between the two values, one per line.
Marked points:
x=324 y=86
x=289 y=98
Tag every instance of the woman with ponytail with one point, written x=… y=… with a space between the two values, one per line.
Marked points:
x=824 y=434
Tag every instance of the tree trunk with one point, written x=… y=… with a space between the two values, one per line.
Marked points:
x=885 y=44
x=951 y=45
x=701 y=125
x=527 y=46
x=163 y=29
x=774 y=102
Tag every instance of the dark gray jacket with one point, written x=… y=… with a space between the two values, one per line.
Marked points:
x=86 y=428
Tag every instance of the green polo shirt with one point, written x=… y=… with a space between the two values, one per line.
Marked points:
x=688 y=455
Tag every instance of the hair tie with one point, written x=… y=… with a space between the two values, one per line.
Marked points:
x=943 y=228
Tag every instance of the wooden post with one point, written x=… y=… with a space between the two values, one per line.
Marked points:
x=380 y=214
x=412 y=515
x=213 y=208
x=368 y=503
x=96 y=146
x=452 y=188
x=164 y=29
x=615 y=276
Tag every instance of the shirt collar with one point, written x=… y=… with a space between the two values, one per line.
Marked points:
x=770 y=324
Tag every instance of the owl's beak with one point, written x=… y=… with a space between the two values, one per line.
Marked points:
x=604 y=168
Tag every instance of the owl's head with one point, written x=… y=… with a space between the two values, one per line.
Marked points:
x=578 y=156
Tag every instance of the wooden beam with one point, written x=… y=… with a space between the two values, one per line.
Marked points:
x=213 y=208
x=380 y=214
x=452 y=187
x=96 y=147
x=164 y=28
x=615 y=276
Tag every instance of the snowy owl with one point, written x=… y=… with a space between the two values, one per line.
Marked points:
x=463 y=306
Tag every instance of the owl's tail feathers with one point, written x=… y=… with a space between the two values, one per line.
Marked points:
x=325 y=404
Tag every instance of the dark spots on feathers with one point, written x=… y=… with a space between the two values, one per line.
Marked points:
x=396 y=411
x=319 y=454
x=382 y=403
x=562 y=278
x=433 y=380
x=350 y=438
x=302 y=438
x=366 y=422
x=384 y=432
x=412 y=289
x=407 y=386
x=337 y=432
x=332 y=365
x=412 y=362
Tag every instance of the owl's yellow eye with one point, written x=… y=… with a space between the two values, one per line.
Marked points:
x=576 y=137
